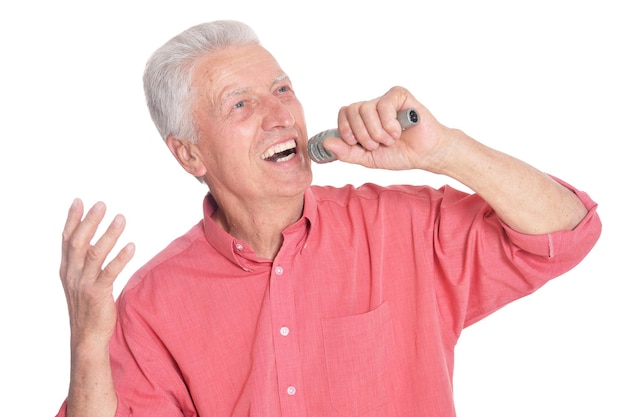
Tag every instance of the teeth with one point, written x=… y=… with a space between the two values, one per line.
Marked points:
x=281 y=147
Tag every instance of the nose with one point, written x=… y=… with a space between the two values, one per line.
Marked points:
x=278 y=114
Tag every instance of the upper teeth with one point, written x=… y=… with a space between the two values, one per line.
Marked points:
x=281 y=147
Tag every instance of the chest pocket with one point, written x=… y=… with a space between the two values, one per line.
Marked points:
x=357 y=350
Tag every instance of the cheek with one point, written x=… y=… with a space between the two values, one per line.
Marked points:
x=225 y=153
x=222 y=141
x=298 y=113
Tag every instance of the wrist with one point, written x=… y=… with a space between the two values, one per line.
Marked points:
x=450 y=154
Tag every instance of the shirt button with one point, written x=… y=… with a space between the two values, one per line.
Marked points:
x=284 y=330
x=239 y=246
x=279 y=270
x=291 y=390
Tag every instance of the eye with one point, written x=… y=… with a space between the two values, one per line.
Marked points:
x=283 y=89
x=239 y=104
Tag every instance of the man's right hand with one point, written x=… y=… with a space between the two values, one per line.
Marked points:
x=88 y=285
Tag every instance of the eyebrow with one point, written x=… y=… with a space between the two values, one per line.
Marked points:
x=280 y=78
x=233 y=93
x=239 y=91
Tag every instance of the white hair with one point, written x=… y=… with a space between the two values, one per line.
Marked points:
x=168 y=73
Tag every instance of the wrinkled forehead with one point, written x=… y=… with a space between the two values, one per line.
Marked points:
x=234 y=70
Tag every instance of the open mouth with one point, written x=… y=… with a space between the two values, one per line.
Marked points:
x=281 y=152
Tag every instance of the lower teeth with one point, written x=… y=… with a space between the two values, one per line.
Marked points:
x=280 y=156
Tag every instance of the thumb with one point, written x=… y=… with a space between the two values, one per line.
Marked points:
x=343 y=151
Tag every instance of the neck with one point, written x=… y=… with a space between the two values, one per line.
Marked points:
x=260 y=225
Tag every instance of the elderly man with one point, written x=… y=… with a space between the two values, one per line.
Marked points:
x=298 y=300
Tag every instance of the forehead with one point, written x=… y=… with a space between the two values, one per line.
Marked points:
x=241 y=67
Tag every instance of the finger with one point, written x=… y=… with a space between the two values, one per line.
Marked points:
x=112 y=270
x=363 y=122
x=343 y=125
x=374 y=118
x=388 y=106
x=74 y=215
x=97 y=253
x=78 y=243
x=356 y=119
x=388 y=116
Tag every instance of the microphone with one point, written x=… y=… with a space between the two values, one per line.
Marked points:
x=317 y=152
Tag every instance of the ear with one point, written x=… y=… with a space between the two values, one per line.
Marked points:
x=187 y=155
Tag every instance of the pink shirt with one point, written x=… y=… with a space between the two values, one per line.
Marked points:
x=358 y=315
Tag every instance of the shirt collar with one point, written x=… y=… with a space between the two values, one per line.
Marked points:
x=239 y=252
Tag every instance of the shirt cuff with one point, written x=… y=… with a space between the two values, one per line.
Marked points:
x=549 y=245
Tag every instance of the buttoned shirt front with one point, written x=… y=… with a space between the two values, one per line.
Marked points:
x=357 y=315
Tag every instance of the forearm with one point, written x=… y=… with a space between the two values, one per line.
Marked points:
x=525 y=198
x=91 y=392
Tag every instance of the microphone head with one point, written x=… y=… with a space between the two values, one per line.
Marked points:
x=315 y=147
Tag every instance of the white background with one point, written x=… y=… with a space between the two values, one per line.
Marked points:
x=540 y=79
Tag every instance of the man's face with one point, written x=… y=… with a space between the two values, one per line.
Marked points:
x=251 y=130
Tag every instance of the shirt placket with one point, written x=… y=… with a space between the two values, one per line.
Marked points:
x=284 y=329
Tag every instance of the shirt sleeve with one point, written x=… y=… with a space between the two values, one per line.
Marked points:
x=147 y=380
x=145 y=385
x=63 y=410
x=483 y=264
x=556 y=244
